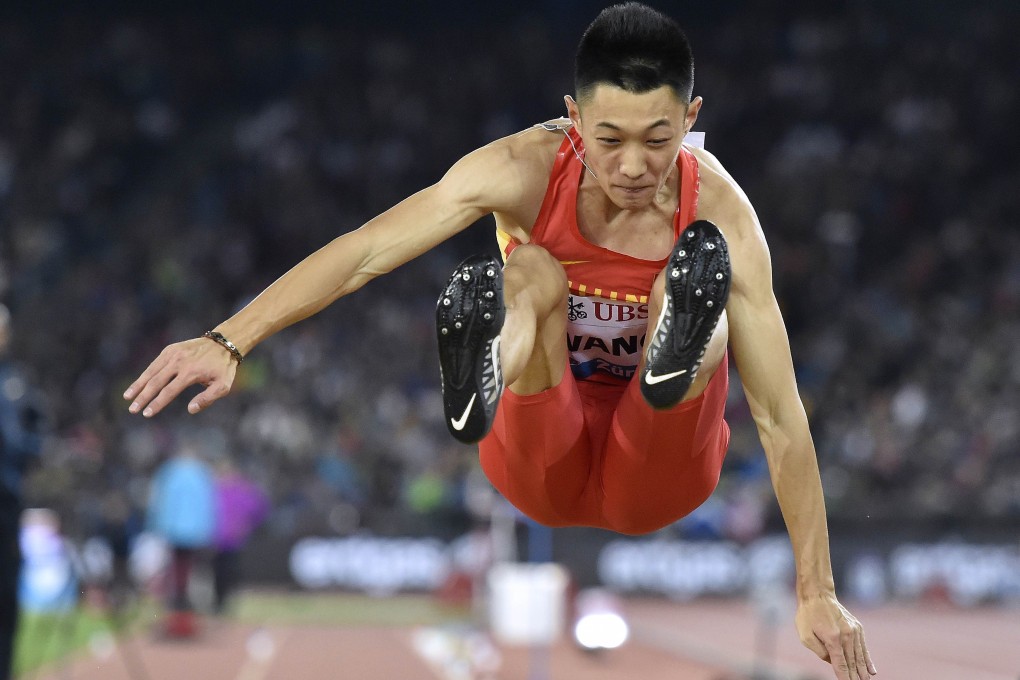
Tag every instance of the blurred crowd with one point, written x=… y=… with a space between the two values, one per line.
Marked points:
x=157 y=172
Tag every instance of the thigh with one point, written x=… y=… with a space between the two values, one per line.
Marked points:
x=539 y=454
x=660 y=465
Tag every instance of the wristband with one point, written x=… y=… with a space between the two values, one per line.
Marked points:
x=226 y=344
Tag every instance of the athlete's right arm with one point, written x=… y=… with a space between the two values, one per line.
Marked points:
x=486 y=180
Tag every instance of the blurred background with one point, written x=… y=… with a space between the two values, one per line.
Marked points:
x=160 y=164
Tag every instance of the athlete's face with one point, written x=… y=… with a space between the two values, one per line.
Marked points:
x=632 y=140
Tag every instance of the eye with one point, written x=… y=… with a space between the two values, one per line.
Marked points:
x=609 y=141
x=659 y=141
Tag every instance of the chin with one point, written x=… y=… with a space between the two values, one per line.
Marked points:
x=622 y=200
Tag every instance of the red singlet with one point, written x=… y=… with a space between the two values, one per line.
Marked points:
x=590 y=451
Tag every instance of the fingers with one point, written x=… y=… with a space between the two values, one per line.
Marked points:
x=859 y=657
x=836 y=636
x=161 y=397
x=839 y=662
x=138 y=386
x=816 y=646
x=178 y=367
x=146 y=391
x=849 y=656
x=207 y=396
x=867 y=656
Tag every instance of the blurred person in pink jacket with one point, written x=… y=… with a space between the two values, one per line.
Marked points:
x=241 y=506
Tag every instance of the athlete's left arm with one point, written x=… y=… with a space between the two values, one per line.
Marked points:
x=761 y=349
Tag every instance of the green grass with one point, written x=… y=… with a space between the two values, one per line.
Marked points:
x=344 y=609
x=44 y=639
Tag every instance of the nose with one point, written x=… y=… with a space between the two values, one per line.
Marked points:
x=632 y=163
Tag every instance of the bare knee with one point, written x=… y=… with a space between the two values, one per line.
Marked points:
x=533 y=272
x=535 y=292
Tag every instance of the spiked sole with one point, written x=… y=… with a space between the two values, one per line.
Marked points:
x=697 y=287
x=469 y=318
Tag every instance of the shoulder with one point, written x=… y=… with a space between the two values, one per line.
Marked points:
x=720 y=198
x=719 y=192
x=723 y=202
x=531 y=151
x=507 y=173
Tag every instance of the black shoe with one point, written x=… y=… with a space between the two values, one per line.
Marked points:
x=469 y=318
x=697 y=286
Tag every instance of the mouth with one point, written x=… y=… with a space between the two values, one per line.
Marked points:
x=633 y=191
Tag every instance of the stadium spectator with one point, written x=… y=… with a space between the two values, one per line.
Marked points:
x=182 y=510
x=20 y=444
x=254 y=145
x=241 y=506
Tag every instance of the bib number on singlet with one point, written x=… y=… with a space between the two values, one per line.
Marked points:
x=605 y=336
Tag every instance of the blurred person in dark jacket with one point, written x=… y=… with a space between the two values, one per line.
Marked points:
x=20 y=442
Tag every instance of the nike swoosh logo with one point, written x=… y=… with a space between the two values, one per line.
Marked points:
x=656 y=379
x=459 y=423
x=574 y=261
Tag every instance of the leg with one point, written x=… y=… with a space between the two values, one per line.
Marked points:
x=659 y=465
x=469 y=317
x=473 y=323
x=220 y=577
x=533 y=351
x=10 y=567
x=714 y=351
x=180 y=572
x=690 y=295
x=538 y=454
x=225 y=571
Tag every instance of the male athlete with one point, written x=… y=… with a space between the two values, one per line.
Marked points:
x=607 y=223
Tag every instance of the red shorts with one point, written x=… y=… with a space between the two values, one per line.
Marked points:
x=587 y=454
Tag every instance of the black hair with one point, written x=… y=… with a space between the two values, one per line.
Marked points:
x=636 y=48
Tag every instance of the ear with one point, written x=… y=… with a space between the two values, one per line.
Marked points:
x=692 y=113
x=573 y=111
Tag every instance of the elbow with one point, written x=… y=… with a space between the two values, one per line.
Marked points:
x=767 y=422
x=366 y=270
x=776 y=433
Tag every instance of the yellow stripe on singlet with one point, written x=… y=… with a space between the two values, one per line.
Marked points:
x=504 y=240
x=582 y=289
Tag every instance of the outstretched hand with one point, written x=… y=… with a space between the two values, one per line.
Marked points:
x=829 y=630
x=193 y=362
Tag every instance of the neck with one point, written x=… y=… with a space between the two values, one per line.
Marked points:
x=602 y=208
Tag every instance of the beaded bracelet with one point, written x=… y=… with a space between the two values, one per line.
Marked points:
x=229 y=346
